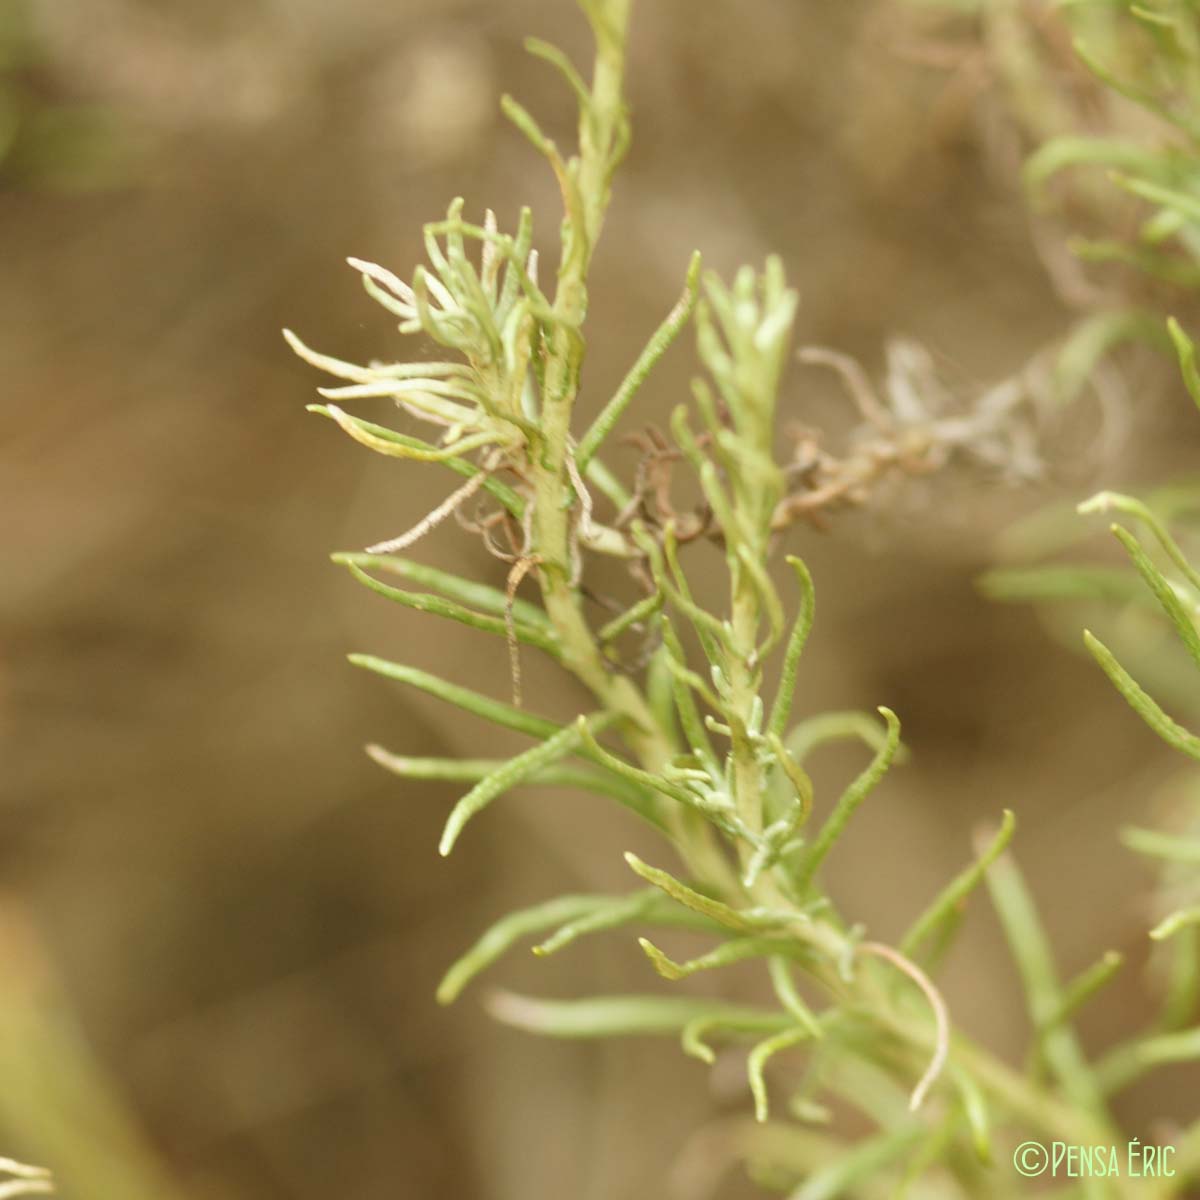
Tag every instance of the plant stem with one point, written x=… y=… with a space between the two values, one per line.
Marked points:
x=601 y=131
x=599 y=126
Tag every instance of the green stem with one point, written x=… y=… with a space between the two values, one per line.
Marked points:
x=602 y=122
x=601 y=132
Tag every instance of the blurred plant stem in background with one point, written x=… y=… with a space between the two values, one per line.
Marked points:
x=58 y=1103
x=48 y=144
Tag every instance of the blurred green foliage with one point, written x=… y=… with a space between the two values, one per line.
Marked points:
x=46 y=142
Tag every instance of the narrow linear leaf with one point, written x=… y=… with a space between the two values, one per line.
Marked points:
x=938 y=945
x=1083 y=987
x=495 y=711
x=512 y=773
x=710 y=632
x=608 y=483
x=509 y=930
x=1030 y=949
x=782 y=707
x=1080 y=150
x=692 y=1042
x=635 y=775
x=425 y=602
x=510 y=718
x=465 y=591
x=658 y=345
x=1127 y=89
x=839 y=726
x=650 y=907
x=1023 y=584
x=949 y=901
x=1156 y=844
x=692 y=1037
x=1104 y=502
x=1145 y=258
x=1094 y=338
x=660 y=697
x=729 y=952
x=1161 y=227
x=1170 y=731
x=693 y=683
x=757 y=1061
x=685 y=703
x=866 y=1086
x=1164 y=593
x=772 y=605
x=1181 y=919
x=975 y=1109
x=472 y=770
x=399 y=446
x=636 y=614
x=731 y=918
x=849 y=800
x=516 y=276
x=842 y=1175
x=619 y=1016
x=780 y=972
x=1126 y=1064
x=1183 y=980
x=520 y=116
x=937 y=1145
x=1183 y=203
x=567 y=178
x=557 y=59
x=500 y=492
x=1185 y=350
x=1156 y=20
x=341 y=369
x=802 y=787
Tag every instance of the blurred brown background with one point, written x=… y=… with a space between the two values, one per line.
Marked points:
x=205 y=882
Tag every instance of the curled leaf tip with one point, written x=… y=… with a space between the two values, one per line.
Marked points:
x=1171 y=925
x=666 y=967
x=510 y=1009
x=1100 y=502
x=985 y=835
x=694 y=1046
